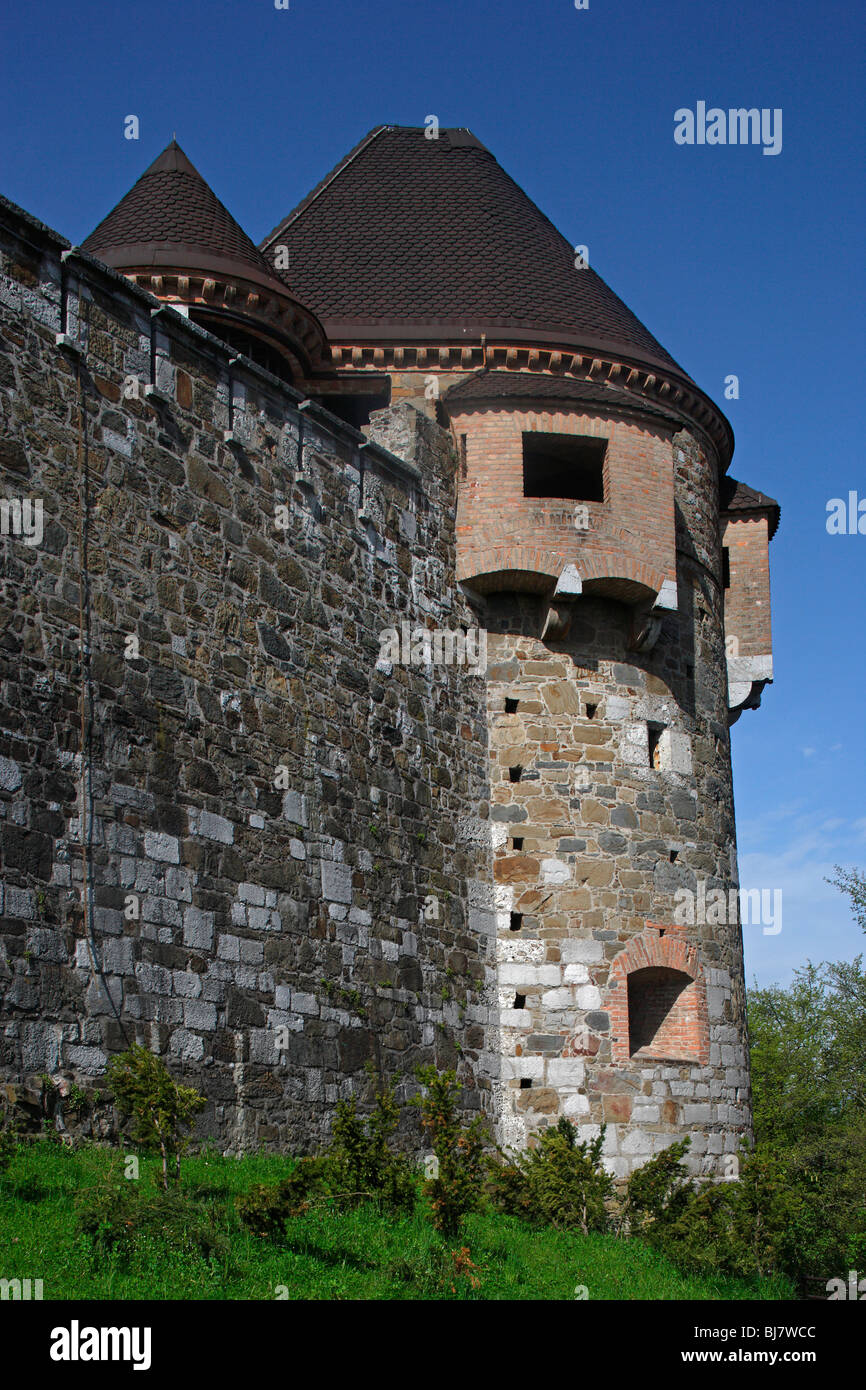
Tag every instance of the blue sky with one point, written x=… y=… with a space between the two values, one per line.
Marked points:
x=738 y=262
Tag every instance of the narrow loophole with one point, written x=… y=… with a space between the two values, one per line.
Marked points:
x=514 y=774
x=520 y=1001
x=590 y=710
x=511 y=706
x=516 y=921
x=525 y=1083
x=517 y=842
x=654 y=733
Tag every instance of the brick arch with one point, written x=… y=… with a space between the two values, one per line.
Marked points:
x=617 y=575
x=534 y=569
x=661 y=959
x=511 y=565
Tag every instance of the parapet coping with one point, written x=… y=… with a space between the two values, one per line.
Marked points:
x=179 y=322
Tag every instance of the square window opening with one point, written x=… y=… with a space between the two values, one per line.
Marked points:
x=567 y=466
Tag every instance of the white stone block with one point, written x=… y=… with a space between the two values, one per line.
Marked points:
x=566 y=1071
x=165 y=848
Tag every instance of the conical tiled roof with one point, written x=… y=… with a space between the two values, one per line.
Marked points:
x=409 y=233
x=171 y=217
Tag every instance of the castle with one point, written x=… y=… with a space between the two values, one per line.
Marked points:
x=233 y=825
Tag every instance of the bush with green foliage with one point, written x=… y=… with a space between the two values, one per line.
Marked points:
x=741 y=1227
x=119 y=1214
x=359 y=1165
x=657 y=1191
x=145 y=1091
x=458 y=1185
x=9 y=1137
x=266 y=1208
x=362 y=1160
x=559 y=1182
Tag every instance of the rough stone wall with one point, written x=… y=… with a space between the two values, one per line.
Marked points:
x=592 y=839
x=265 y=806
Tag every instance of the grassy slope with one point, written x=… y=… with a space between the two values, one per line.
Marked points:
x=326 y=1255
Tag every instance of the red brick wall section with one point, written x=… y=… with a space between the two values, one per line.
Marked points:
x=684 y=1034
x=747 y=601
x=631 y=533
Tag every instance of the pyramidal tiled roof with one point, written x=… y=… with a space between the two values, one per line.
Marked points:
x=172 y=217
x=409 y=232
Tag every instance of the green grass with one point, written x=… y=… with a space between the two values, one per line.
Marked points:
x=325 y=1254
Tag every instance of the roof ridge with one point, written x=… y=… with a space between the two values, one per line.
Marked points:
x=324 y=183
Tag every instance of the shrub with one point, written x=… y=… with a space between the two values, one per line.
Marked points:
x=118 y=1215
x=9 y=1138
x=144 y=1089
x=266 y=1208
x=560 y=1182
x=740 y=1227
x=457 y=1187
x=657 y=1191
x=361 y=1159
x=358 y=1165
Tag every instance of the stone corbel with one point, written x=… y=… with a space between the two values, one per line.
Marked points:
x=645 y=628
x=556 y=623
x=747 y=677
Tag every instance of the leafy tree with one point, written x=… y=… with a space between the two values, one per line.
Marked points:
x=808 y=1044
x=853 y=883
x=144 y=1089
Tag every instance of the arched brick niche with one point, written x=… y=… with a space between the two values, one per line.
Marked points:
x=658 y=999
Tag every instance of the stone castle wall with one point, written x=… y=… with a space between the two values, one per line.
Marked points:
x=304 y=859
x=284 y=841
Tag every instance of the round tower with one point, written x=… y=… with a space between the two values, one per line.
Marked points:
x=589 y=525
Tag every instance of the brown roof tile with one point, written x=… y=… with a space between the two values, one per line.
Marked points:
x=739 y=497
x=495 y=385
x=433 y=236
x=171 y=216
